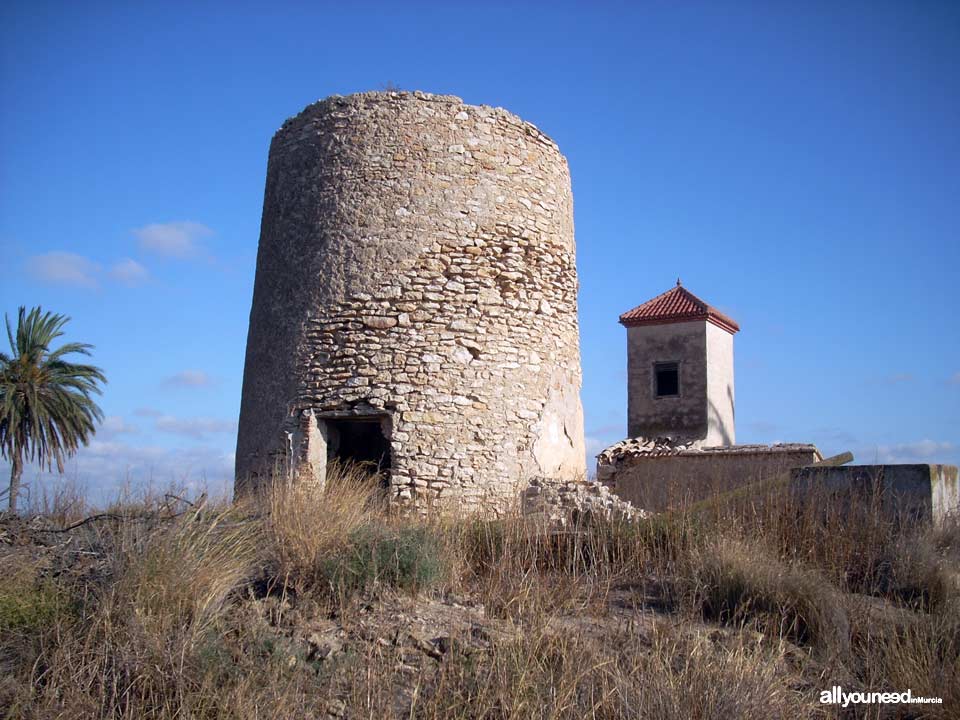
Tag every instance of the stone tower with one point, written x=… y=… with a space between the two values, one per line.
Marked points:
x=680 y=369
x=415 y=301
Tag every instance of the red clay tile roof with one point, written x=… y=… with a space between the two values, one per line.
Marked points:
x=676 y=305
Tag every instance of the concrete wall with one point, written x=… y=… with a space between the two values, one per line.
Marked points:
x=416 y=260
x=913 y=493
x=670 y=481
x=720 y=396
x=685 y=414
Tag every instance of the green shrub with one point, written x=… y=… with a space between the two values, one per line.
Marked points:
x=404 y=557
x=26 y=608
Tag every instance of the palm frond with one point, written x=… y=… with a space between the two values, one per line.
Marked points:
x=80 y=348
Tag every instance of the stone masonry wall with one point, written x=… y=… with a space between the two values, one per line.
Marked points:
x=684 y=414
x=658 y=483
x=417 y=260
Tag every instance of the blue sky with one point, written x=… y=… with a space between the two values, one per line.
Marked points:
x=797 y=164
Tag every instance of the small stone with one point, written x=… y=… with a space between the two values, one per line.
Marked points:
x=462 y=326
x=379 y=322
x=463 y=355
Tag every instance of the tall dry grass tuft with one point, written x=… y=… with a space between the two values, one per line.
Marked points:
x=920 y=652
x=342 y=539
x=850 y=536
x=134 y=648
x=525 y=567
x=305 y=525
x=691 y=676
x=178 y=584
x=733 y=583
x=61 y=502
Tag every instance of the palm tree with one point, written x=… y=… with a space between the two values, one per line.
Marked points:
x=46 y=409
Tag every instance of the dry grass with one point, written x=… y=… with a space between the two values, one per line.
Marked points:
x=305 y=525
x=342 y=540
x=213 y=612
x=621 y=675
x=734 y=583
x=132 y=643
x=62 y=502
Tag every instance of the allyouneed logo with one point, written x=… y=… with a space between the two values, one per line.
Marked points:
x=836 y=696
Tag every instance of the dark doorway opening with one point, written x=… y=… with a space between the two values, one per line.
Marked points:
x=361 y=440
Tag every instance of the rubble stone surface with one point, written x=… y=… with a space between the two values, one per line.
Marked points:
x=563 y=502
x=416 y=262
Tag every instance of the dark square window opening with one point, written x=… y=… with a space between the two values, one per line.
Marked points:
x=666 y=378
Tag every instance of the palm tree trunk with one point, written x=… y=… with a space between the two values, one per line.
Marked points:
x=16 y=470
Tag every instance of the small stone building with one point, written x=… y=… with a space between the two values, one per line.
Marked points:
x=660 y=474
x=681 y=445
x=680 y=369
x=415 y=302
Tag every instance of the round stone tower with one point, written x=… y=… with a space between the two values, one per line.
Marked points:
x=415 y=302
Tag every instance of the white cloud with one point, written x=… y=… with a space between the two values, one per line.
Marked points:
x=64 y=268
x=114 y=425
x=129 y=272
x=189 y=379
x=122 y=458
x=173 y=239
x=919 y=451
x=104 y=470
x=595 y=446
x=196 y=428
x=147 y=412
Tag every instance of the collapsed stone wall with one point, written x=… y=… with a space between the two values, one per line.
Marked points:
x=562 y=502
x=416 y=259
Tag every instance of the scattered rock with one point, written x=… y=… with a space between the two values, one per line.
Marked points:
x=563 y=501
x=426 y=647
x=336 y=708
x=323 y=646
